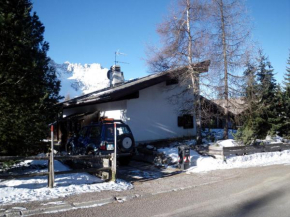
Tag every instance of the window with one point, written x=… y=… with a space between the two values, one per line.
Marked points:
x=95 y=132
x=109 y=131
x=185 y=121
x=121 y=129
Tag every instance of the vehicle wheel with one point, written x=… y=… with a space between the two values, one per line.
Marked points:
x=126 y=143
x=124 y=161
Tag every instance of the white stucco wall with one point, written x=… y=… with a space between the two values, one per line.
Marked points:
x=116 y=114
x=153 y=117
x=150 y=117
x=103 y=107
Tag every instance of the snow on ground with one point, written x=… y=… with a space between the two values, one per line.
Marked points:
x=173 y=153
x=227 y=143
x=201 y=163
x=204 y=164
x=35 y=188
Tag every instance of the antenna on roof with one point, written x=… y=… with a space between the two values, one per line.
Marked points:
x=117 y=53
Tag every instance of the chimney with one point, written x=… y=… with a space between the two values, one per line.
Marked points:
x=115 y=76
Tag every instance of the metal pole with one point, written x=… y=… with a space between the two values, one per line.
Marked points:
x=114 y=166
x=51 y=163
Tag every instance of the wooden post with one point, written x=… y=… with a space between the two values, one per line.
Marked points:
x=114 y=156
x=51 y=163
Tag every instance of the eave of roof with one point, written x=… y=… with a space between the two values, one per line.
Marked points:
x=129 y=87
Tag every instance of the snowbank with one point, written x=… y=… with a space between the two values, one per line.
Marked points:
x=204 y=164
x=227 y=143
x=31 y=189
x=201 y=163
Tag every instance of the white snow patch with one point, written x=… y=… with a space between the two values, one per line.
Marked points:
x=201 y=163
x=53 y=203
x=227 y=143
x=204 y=164
x=35 y=188
x=173 y=153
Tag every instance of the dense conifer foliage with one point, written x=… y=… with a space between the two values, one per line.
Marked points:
x=268 y=103
x=28 y=85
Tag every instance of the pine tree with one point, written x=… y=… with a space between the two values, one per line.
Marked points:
x=285 y=129
x=278 y=109
x=28 y=85
x=246 y=133
x=266 y=112
x=251 y=87
x=286 y=81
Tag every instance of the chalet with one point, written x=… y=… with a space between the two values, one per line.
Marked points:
x=141 y=103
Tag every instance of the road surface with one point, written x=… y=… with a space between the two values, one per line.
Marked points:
x=254 y=192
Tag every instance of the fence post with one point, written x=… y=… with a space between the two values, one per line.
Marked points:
x=51 y=163
x=114 y=156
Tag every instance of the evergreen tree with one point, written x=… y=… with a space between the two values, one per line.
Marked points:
x=286 y=81
x=28 y=85
x=264 y=100
x=285 y=130
x=246 y=133
x=278 y=109
x=251 y=87
x=266 y=113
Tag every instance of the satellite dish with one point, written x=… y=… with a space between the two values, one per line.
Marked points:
x=109 y=74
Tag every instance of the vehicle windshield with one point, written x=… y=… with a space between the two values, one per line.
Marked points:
x=121 y=129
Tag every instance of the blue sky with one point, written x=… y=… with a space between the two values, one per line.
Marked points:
x=91 y=31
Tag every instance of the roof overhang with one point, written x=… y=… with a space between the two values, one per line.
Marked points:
x=130 y=87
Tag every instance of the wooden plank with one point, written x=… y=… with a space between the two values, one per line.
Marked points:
x=89 y=170
x=241 y=150
x=235 y=148
x=216 y=148
x=285 y=146
x=272 y=148
x=22 y=175
x=212 y=152
x=253 y=149
x=51 y=163
x=234 y=152
x=72 y=157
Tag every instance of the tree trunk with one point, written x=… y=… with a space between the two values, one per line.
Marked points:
x=194 y=79
x=226 y=91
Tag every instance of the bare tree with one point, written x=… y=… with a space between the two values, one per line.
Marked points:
x=183 y=37
x=230 y=42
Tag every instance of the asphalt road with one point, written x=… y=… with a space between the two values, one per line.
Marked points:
x=260 y=191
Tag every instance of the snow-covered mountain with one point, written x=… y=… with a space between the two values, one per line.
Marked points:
x=77 y=79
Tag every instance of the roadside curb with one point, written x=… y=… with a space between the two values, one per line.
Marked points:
x=95 y=203
x=58 y=208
